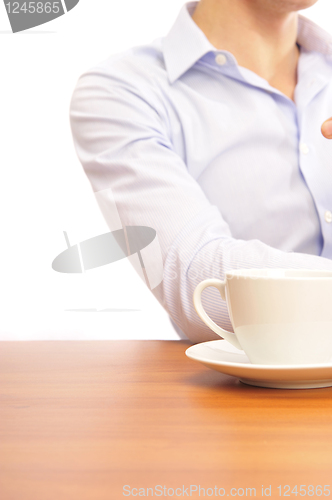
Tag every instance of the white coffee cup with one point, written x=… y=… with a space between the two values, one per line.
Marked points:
x=279 y=316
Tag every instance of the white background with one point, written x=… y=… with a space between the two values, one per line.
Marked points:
x=43 y=189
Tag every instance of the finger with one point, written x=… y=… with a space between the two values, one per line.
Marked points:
x=327 y=129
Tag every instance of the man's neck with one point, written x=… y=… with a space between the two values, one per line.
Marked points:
x=261 y=38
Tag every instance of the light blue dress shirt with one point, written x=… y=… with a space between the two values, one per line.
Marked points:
x=229 y=171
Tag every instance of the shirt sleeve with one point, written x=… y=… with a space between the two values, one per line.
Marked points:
x=122 y=137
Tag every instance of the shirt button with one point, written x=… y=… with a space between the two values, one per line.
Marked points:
x=304 y=148
x=221 y=59
x=328 y=216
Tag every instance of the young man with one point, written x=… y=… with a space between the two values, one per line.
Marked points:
x=212 y=136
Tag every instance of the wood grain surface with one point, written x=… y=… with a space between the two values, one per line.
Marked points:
x=80 y=420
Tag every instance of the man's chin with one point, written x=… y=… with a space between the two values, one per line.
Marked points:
x=290 y=5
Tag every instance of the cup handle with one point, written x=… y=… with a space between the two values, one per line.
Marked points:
x=220 y=285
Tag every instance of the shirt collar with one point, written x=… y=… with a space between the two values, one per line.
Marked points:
x=186 y=43
x=313 y=38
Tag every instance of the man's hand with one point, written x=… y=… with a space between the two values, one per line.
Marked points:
x=327 y=129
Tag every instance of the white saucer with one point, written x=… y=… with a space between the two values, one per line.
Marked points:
x=223 y=357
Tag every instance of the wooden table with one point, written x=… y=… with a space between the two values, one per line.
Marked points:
x=80 y=420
